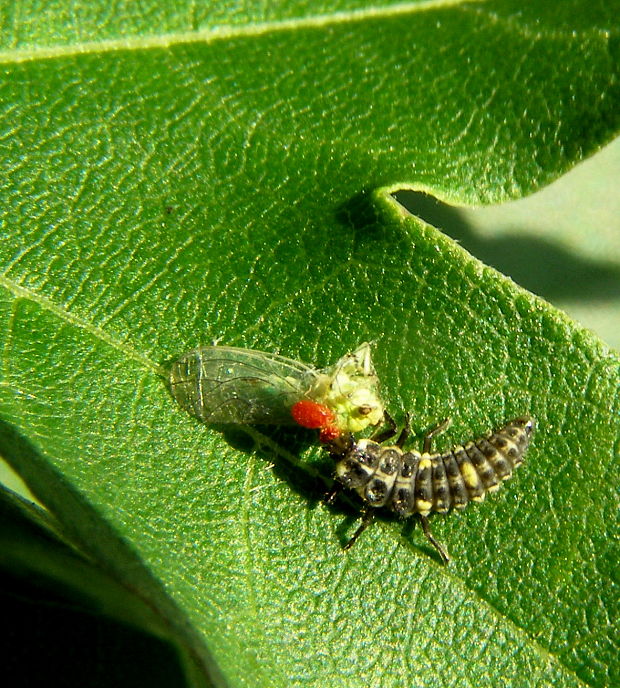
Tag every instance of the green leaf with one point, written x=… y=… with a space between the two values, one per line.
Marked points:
x=163 y=189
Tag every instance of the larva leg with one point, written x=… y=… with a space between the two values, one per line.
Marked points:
x=404 y=433
x=385 y=434
x=331 y=496
x=429 y=536
x=368 y=516
x=434 y=432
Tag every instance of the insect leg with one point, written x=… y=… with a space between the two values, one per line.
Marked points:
x=331 y=496
x=404 y=433
x=445 y=423
x=429 y=536
x=385 y=434
x=367 y=518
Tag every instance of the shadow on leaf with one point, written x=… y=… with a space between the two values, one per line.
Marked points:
x=541 y=266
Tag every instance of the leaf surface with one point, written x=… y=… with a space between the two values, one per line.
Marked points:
x=235 y=186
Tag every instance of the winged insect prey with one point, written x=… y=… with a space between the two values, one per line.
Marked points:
x=410 y=482
x=229 y=385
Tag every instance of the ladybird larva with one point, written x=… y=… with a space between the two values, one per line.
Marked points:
x=410 y=482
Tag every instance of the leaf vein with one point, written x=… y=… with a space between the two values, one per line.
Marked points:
x=47 y=304
x=224 y=32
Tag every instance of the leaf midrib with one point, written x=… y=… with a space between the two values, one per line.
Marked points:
x=47 y=304
x=227 y=32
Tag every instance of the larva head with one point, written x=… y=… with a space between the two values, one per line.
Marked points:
x=340 y=446
x=311 y=414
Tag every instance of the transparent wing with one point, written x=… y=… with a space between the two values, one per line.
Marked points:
x=221 y=384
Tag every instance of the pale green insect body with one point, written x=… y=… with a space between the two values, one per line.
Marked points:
x=350 y=389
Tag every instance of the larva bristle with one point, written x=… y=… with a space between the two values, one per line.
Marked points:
x=441 y=489
x=512 y=440
x=403 y=497
x=470 y=475
x=359 y=466
x=423 y=491
x=378 y=491
x=483 y=467
x=402 y=501
x=501 y=465
x=353 y=474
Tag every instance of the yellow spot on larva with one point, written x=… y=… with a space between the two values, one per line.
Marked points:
x=469 y=475
x=425 y=463
x=423 y=506
x=478 y=498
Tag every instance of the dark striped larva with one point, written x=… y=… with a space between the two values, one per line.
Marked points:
x=410 y=482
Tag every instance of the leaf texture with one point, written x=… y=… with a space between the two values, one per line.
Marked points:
x=160 y=194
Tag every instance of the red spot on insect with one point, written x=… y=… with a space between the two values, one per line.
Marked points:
x=311 y=414
x=329 y=433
